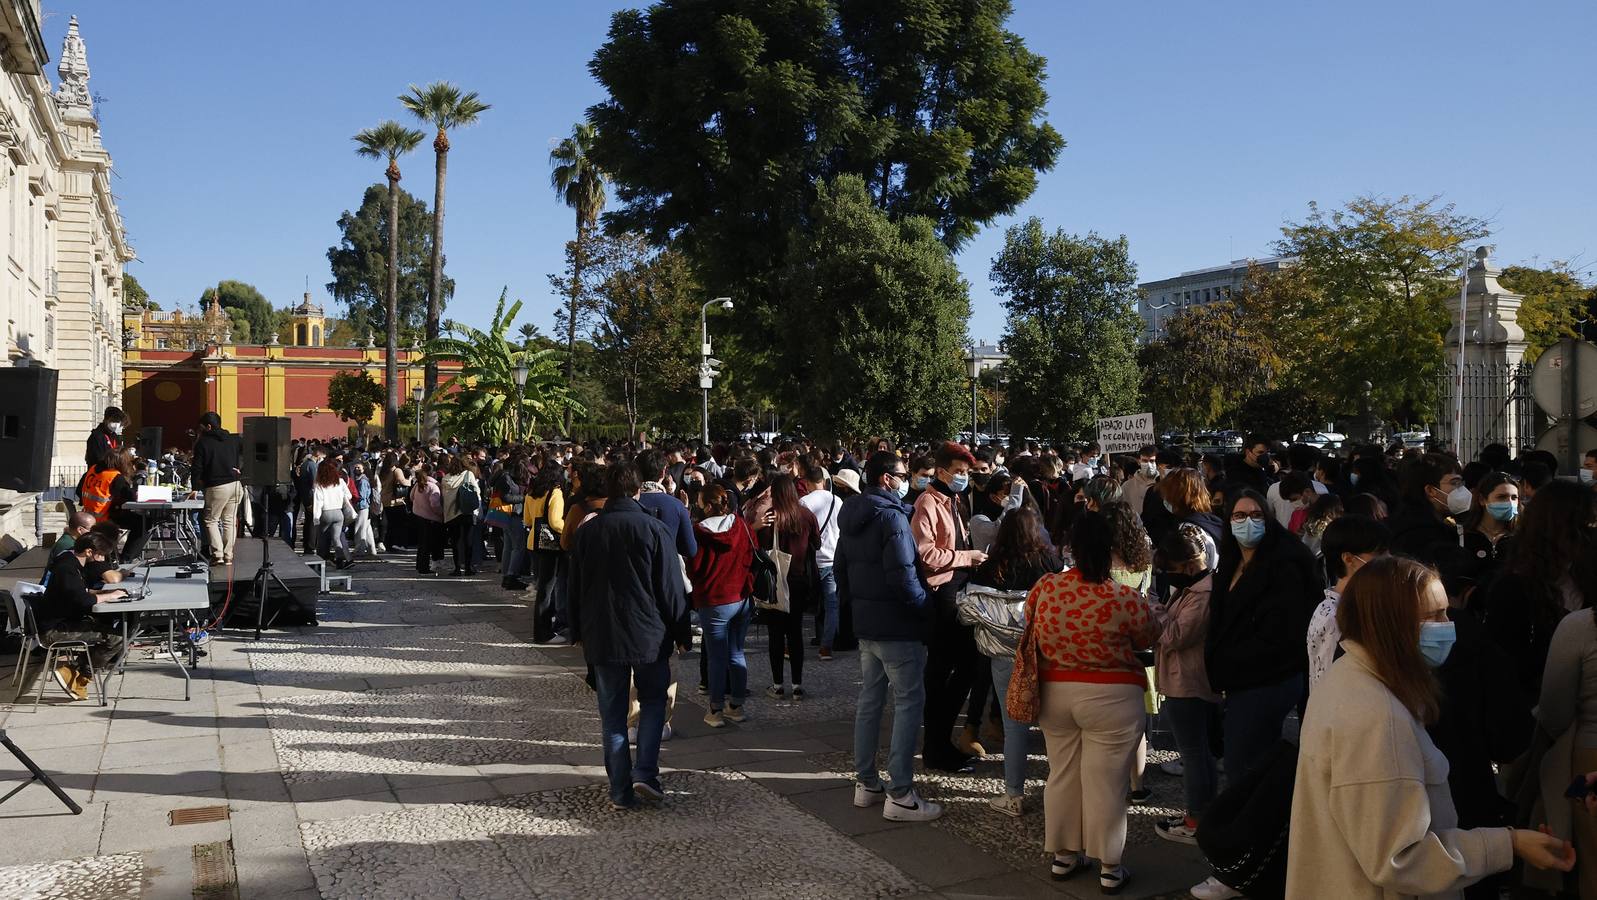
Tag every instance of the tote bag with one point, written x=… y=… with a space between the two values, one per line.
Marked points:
x=770 y=573
x=1024 y=700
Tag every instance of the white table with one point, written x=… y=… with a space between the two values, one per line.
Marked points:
x=168 y=597
x=182 y=528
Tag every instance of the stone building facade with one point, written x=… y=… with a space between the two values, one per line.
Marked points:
x=61 y=282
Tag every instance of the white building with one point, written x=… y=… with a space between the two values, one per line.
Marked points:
x=1165 y=299
x=61 y=283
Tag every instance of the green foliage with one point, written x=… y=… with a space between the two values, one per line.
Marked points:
x=1280 y=411
x=575 y=177
x=254 y=320
x=485 y=403
x=443 y=106
x=1210 y=360
x=646 y=335
x=354 y=396
x=359 y=264
x=1555 y=303
x=1373 y=304
x=724 y=117
x=389 y=140
x=1071 y=331
x=134 y=296
x=880 y=327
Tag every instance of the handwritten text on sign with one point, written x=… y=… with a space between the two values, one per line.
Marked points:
x=1125 y=434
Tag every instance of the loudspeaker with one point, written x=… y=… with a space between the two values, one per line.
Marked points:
x=150 y=442
x=27 y=427
x=266 y=450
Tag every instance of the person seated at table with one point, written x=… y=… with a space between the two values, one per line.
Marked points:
x=106 y=489
x=78 y=524
x=108 y=570
x=66 y=612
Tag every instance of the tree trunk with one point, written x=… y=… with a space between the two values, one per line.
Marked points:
x=391 y=365
x=577 y=253
x=435 y=287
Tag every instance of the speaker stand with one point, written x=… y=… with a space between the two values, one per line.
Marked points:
x=38 y=775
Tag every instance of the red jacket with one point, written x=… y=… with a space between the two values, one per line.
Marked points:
x=723 y=570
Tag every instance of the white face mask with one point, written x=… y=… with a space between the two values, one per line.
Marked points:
x=1459 y=500
x=1150 y=469
x=1586 y=476
x=114 y=427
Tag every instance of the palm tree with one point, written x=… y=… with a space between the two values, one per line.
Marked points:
x=443 y=106
x=579 y=182
x=391 y=140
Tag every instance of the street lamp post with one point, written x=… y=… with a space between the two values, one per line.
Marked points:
x=520 y=374
x=418 y=392
x=975 y=370
x=707 y=372
x=998 y=394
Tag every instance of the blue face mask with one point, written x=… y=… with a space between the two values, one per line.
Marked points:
x=1505 y=511
x=903 y=488
x=1436 y=641
x=959 y=483
x=1248 y=532
x=921 y=482
x=1353 y=479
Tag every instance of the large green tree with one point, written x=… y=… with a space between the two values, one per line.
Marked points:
x=1556 y=303
x=444 y=107
x=725 y=116
x=646 y=334
x=390 y=140
x=1209 y=361
x=1376 y=275
x=354 y=397
x=580 y=184
x=1071 y=331
x=886 y=308
x=359 y=263
x=134 y=296
x=251 y=313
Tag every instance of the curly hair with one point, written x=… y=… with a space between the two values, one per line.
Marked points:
x=1129 y=539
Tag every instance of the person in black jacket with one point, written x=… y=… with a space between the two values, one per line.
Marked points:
x=106 y=436
x=65 y=612
x=1256 y=654
x=1432 y=489
x=628 y=610
x=217 y=461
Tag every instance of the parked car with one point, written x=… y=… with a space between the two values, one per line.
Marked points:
x=1412 y=439
x=1323 y=440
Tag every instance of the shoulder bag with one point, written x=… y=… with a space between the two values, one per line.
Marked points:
x=1024 y=700
x=770 y=572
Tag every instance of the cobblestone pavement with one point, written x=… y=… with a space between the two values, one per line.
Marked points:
x=416 y=745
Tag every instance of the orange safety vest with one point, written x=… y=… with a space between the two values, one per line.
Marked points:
x=96 y=492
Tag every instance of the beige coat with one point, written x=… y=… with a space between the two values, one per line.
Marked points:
x=1371 y=813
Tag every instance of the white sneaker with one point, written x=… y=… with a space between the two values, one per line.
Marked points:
x=865 y=798
x=665 y=733
x=1172 y=767
x=1008 y=804
x=1213 y=889
x=910 y=808
x=632 y=734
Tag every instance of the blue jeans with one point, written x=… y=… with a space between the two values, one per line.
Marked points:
x=828 y=607
x=725 y=628
x=1253 y=720
x=614 y=684
x=901 y=664
x=1015 y=733
x=1188 y=718
x=513 y=560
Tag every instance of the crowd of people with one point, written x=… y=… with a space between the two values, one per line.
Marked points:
x=1388 y=657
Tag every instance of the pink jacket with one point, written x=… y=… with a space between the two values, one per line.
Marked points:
x=1178 y=659
x=932 y=527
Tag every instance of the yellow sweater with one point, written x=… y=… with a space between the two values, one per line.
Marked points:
x=533 y=509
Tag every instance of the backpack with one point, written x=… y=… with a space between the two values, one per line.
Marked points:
x=467 y=500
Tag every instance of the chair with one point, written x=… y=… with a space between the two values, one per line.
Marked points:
x=22 y=609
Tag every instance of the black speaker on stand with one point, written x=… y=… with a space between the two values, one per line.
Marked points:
x=149 y=444
x=265 y=465
x=27 y=427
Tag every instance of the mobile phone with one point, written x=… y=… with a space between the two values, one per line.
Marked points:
x=1017 y=490
x=1579 y=788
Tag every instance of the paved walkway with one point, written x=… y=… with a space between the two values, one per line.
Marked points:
x=416 y=745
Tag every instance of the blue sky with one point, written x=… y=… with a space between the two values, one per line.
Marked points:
x=1196 y=129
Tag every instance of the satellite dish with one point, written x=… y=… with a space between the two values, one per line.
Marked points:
x=1549 y=381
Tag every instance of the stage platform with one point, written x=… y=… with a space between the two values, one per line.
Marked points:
x=298 y=607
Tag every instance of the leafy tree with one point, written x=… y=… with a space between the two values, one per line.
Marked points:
x=444 y=107
x=1071 y=331
x=725 y=117
x=647 y=331
x=580 y=183
x=134 y=296
x=354 y=397
x=1378 y=273
x=883 y=315
x=360 y=267
x=486 y=404
x=1209 y=362
x=252 y=314
x=390 y=140
x=1556 y=303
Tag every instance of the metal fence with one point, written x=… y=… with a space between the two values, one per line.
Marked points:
x=1497 y=409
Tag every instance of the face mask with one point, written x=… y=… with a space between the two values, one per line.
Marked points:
x=1506 y=511
x=1459 y=500
x=903 y=488
x=1167 y=507
x=1586 y=476
x=921 y=482
x=1353 y=479
x=114 y=427
x=1150 y=469
x=1436 y=641
x=1182 y=582
x=1248 y=532
x=959 y=483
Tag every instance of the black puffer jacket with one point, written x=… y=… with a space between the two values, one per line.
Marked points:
x=627 y=605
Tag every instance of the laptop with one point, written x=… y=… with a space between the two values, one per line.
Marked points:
x=143 y=589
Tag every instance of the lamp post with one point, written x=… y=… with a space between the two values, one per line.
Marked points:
x=998 y=393
x=418 y=392
x=707 y=372
x=520 y=374
x=975 y=370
